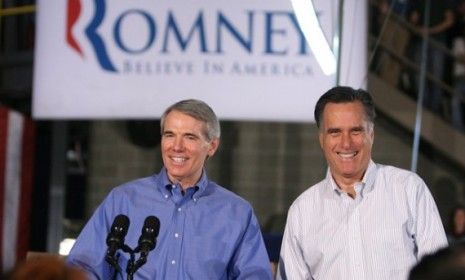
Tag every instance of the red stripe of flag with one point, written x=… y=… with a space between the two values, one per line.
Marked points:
x=3 y=139
x=27 y=162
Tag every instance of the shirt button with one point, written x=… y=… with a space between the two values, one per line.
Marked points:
x=166 y=196
x=173 y=262
x=173 y=186
x=176 y=235
x=179 y=209
x=195 y=199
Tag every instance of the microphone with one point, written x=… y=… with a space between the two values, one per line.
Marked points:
x=115 y=239
x=148 y=238
x=146 y=243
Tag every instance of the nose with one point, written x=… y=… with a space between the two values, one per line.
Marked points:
x=178 y=144
x=346 y=140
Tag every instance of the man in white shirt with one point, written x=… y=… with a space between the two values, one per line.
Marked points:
x=364 y=220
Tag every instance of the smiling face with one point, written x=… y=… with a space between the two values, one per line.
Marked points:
x=346 y=138
x=185 y=148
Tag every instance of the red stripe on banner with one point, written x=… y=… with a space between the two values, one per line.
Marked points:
x=74 y=10
x=27 y=163
x=3 y=139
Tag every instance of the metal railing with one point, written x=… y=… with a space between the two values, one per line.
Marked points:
x=16 y=25
x=376 y=46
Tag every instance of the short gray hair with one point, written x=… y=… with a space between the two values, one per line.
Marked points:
x=199 y=110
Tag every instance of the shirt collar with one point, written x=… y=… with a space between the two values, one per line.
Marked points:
x=367 y=182
x=164 y=185
x=369 y=178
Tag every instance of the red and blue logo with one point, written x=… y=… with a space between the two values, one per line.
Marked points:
x=97 y=43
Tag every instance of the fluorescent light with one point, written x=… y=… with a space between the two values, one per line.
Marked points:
x=308 y=21
x=66 y=245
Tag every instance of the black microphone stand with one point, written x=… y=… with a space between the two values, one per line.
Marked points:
x=132 y=266
x=130 y=270
x=114 y=262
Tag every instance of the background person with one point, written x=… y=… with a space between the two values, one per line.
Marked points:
x=206 y=231
x=45 y=268
x=441 y=18
x=458 y=49
x=457 y=225
x=445 y=264
x=364 y=220
x=394 y=36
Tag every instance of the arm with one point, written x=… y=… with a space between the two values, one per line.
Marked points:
x=292 y=263
x=88 y=253
x=429 y=231
x=443 y=25
x=250 y=260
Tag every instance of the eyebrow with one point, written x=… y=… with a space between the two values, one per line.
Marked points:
x=333 y=130
x=336 y=129
x=191 y=134
x=357 y=128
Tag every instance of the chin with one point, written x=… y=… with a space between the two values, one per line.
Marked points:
x=349 y=173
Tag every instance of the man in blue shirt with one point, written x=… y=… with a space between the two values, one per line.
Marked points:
x=206 y=231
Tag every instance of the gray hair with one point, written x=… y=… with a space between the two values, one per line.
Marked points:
x=199 y=110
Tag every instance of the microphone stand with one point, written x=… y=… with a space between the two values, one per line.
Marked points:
x=114 y=262
x=133 y=267
x=130 y=270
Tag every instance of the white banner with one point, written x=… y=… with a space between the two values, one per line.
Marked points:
x=249 y=60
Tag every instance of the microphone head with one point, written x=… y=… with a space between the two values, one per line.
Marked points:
x=150 y=232
x=118 y=231
x=152 y=223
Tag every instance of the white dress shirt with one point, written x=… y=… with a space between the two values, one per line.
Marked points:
x=380 y=234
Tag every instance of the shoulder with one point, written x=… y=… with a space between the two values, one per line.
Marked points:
x=139 y=182
x=132 y=189
x=401 y=183
x=311 y=197
x=136 y=183
x=397 y=175
x=313 y=191
x=224 y=206
x=218 y=194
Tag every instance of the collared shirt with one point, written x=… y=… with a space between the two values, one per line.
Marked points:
x=380 y=234
x=206 y=233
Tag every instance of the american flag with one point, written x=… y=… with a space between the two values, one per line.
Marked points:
x=16 y=170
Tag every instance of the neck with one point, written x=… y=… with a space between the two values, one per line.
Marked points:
x=185 y=184
x=347 y=185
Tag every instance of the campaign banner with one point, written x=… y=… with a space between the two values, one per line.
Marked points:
x=264 y=60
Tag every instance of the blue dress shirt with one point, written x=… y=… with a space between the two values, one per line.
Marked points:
x=206 y=233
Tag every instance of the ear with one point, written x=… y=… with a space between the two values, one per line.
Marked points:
x=320 y=138
x=213 y=146
x=372 y=135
